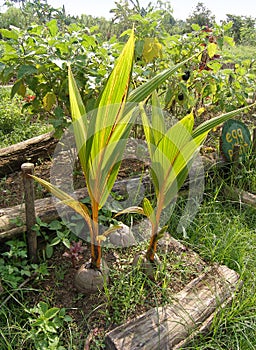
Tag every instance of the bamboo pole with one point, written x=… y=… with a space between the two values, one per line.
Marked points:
x=28 y=169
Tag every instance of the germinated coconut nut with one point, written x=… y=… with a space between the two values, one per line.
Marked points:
x=122 y=237
x=145 y=265
x=89 y=280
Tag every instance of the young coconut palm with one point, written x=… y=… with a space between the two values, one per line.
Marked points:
x=171 y=152
x=100 y=141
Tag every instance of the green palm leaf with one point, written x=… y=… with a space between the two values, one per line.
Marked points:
x=180 y=167
x=212 y=123
x=65 y=198
x=109 y=129
x=158 y=123
x=79 y=119
x=143 y=91
x=166 y=147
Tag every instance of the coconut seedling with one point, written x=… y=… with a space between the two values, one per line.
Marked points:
x=100 y=141
x=101 y=137
x=171 y=152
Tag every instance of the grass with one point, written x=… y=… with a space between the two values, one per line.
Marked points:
x=17 y=125
x=243 y=177
x=224 y=232
x=241 y=52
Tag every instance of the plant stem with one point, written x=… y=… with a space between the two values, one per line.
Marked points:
x=151 y=251
x=95 y=244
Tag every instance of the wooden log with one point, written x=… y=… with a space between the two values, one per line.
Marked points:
x=240 y=195
x=173 y=326
x=46 y=210
x=30 y=150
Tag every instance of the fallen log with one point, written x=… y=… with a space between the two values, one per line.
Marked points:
x=240 y=196
x=30 y=150
x=174 y=326
x=12 y=220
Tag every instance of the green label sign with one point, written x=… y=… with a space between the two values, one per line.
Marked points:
x=234 y=133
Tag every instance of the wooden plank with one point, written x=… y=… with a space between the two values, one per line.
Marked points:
x=29 y=195
x=172 y=326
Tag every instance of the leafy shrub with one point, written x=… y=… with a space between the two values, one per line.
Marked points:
x=14 y=264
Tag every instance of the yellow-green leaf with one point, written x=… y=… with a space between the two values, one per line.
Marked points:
x=143 y=91
x=158 y=124
x=181 y=162
x=49 y=101
x=212 y=123
x=78 y=114
x=131 y=210
x=65 y=198
x=109 y=129
x=108 y=231
x=152 y=49
x=149 y=210
x=211 y=49
x=76 y=102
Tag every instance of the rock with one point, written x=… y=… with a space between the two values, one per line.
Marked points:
x=142 y=230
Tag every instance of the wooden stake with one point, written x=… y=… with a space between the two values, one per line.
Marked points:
x=236 y=151
x=254 y=141
x=28 y=169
